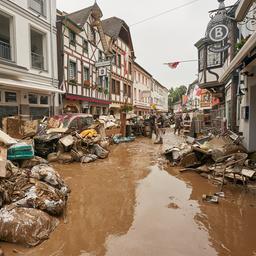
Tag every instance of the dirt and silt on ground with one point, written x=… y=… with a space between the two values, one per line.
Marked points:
x=134 y=204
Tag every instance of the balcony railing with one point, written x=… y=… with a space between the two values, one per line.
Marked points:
x=5 y=50
x=37 y=60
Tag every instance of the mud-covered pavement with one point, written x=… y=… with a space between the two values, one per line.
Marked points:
x=134 y=204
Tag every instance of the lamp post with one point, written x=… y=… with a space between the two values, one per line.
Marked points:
x=124 y=110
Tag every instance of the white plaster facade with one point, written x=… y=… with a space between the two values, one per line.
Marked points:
x=159 y=96
x=142 y=85
x=28 y=58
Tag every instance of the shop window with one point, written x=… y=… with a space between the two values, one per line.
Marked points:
x=44 y=100
x=39 y=113
x=32 y=99
x=10 y=97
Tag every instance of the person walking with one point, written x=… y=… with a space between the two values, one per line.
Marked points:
x=178 y=124
x=159 y=129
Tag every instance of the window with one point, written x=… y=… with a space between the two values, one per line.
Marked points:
x=100 y=81
x=201 y=59
x=129 y=91
x=130 y=68
x=93 y=35
x=100 y=55
x=44 y=100
x=32 y=99
x=72 y=70
x=38 y=6
x=85 y=46
x=119 y=60
x=118 y=87
x=113 y=89
x=72 y=37
x=10 y=97
x=5 y=40
x=213 y=59
x=125 y=90
x=114 y=58
x=86 y=73
x=37 y=49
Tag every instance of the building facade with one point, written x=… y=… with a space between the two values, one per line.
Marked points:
x=28 y=59
x=159 y=96
x=142 y=84
x=82 y=52
x=120 y=45
x=244 y=65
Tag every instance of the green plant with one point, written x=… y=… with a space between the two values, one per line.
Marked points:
x=240 y=44
x=106 y=91
x=126 y=108
x=72 y=81
x=99 y=89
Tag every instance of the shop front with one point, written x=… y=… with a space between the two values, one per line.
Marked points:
x=80 y=104
x=26 y=100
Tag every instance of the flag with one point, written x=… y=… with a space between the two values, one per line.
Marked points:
x=126 y=61
x=173 y=65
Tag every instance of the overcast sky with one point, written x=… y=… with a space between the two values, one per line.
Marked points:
x=168 y=38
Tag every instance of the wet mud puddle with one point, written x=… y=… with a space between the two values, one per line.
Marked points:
x=132 y=204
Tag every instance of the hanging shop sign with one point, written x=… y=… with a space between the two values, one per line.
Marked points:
x=102 y=71
x=218 y=35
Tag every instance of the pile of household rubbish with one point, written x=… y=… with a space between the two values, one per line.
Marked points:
x=32 y=196
x=221 y=159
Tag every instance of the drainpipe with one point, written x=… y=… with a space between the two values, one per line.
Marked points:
x=52 y=55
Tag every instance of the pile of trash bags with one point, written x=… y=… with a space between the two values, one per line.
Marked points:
x=31 y=198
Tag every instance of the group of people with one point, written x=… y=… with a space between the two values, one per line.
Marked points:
x=157 y=125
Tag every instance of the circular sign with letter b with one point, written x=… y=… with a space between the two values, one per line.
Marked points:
x=218 y=33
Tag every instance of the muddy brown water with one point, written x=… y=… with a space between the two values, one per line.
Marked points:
x=134 y=204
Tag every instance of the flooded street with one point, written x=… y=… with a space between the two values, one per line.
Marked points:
x=134 y=204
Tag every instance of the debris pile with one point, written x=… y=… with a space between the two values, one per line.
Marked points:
x=219 y=158
x=30 y=197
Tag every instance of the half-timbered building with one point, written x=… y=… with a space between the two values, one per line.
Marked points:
x=81 y=46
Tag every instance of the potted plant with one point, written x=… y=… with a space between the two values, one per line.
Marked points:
x=87 y=83
x=99 y=89
x=72 y=81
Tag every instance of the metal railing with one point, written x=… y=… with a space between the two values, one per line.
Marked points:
x=5 y=50
x=37 y=60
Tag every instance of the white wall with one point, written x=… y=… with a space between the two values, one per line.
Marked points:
x=23 y=19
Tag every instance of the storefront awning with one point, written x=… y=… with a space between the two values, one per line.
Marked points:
x=24 y=85
x=93 y=100
x=241 y=55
